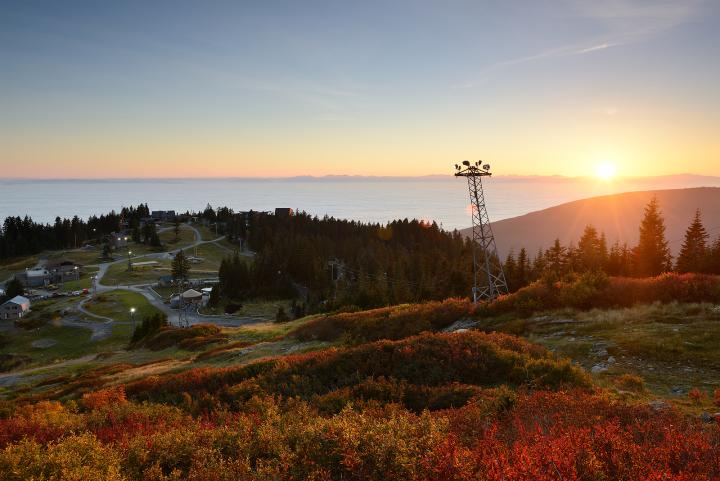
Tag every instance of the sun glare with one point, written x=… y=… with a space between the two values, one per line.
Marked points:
x=605 y=171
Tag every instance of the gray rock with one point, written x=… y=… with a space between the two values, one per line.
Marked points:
x=658 y=405
x=677 y=390
x=598 y=368
x=611 y=360
x=707 y=418
x=460 y=325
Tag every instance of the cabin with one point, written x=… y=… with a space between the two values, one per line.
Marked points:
x=63 y=271
x=52 y=273
x=15 y=308
x=163 y=215
x=283 y=212
x=35 y=277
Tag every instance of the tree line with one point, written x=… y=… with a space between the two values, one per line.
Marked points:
x=650 y=257
x=337 y=262
x=21 y=236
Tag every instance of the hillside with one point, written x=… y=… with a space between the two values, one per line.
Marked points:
x=433 y=391
x=617 y=215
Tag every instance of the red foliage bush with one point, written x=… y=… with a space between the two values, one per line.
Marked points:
x=106 y=397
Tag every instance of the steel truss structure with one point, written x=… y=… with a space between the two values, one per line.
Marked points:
x=488 y=276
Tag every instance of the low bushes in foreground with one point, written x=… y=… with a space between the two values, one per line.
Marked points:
x=573 y=435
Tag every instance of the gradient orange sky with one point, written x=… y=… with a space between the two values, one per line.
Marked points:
x=382 y=88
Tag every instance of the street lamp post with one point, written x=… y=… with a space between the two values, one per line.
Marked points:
x=132 y=317
x=130 y=260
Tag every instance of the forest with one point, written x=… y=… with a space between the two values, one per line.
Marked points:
x=21 y=236
x=347 y=263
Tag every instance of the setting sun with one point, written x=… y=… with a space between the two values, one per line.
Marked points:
x=605 y=171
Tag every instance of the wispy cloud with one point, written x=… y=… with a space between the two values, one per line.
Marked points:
x=624 y=22
x=566 y=51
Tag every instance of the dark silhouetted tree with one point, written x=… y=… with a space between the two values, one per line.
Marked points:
x=12 y=289
x=180 y=267
x=652 y=255
x=693 y=255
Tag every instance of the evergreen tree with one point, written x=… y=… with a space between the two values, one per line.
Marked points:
x=714 y=263
x=180 y=267
x=214 y=298
x=693 y=255
x=619 y=260
x=539 y=265
x=509 y=268
x=590 y=252
x=12 y=289
x=652 y=255
x=523 y=269
x=556 y=258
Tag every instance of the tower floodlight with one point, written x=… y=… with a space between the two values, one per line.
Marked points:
x=492 y=282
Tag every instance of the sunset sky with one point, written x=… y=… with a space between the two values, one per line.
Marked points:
x=273 y=88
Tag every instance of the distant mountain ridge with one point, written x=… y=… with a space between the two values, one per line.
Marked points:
x=617 y=215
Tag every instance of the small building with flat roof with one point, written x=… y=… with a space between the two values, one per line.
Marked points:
x=15 y=308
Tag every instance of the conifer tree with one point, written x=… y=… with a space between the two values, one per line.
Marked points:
x=693 y=255
x=539 y=264
x=12 y=289
x=180 y=267
x=652 y=255
x=509 y=268
x=556 y=258
x=523 y=269
x=714 y=263
x=590 y=250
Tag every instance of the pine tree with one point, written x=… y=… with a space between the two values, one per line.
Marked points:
x=652 y=255
x=523 y=269
x=509 y=269
x=714 y=263
x=12 y=289
x=180 y=267
x=556 y=258
x=539 y=265
x=694 y=251
x=590 y=250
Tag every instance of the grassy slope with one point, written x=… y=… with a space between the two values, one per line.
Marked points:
x=669 y=345
x=117 y=304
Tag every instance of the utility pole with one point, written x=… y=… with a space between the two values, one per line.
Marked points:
x=491 y=282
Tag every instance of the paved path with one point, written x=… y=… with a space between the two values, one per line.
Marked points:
x=173 y=315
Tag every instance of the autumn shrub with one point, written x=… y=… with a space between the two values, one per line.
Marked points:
x=593 y=290
x=696 y=395
x=630 y=382
x=394 y=322
x=189 y=337
x=501 y=434
x=105 y=397
x=453 y=365
x=74 y=458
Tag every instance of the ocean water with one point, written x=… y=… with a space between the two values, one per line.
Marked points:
x=441 y=199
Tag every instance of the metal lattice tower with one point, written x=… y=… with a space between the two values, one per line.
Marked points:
x=488 y=276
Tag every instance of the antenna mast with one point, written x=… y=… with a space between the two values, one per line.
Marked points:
x=492 y=283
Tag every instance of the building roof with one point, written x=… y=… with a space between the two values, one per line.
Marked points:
x=19 y=300
x=191 y=294
x=36 y=272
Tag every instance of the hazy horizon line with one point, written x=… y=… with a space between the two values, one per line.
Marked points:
x=351 y=177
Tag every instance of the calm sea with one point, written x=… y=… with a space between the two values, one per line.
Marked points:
x=444 y=200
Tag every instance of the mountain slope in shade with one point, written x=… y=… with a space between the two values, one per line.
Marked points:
x=617 y=215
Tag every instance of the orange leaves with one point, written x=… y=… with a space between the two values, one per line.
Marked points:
x=113 y=396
